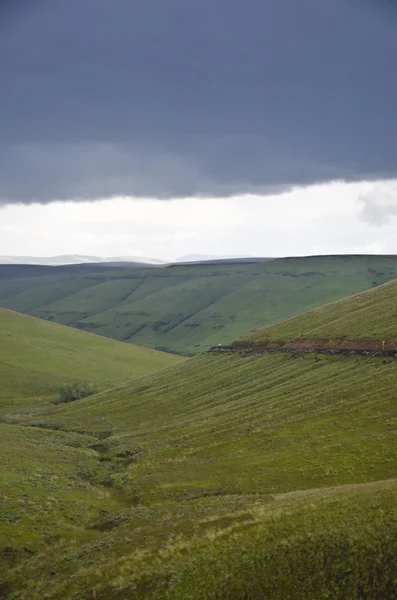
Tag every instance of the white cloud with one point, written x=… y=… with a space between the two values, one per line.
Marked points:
x=330 y=218
x=379 y=203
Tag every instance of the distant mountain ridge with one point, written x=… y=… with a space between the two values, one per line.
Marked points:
x=79 y=259
x=207 y=257
x=75 y=259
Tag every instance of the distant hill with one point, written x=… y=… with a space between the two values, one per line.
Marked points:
x=27 y=272
x=188 y=308
x=225 y=477
x=209 y=258
x=201 y=257
x=37 y=358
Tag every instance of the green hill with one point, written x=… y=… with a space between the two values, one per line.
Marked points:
x=187 y=309
x=37 y=358
x=371 y=315
x=225 y=477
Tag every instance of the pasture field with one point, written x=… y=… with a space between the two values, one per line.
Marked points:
x=186 y=309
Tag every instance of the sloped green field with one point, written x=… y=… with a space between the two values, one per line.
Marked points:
x=37 y=358
x=224 y=477
x=371 y=315
x=186 y=309
x=227 y=477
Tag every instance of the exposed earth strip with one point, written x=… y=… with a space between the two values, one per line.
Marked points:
x=369 y=348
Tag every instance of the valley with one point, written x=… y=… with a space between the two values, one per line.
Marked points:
x=198 y=300
x=185 y=309
x=257 y=475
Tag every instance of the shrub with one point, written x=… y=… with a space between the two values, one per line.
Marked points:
x=76 y=391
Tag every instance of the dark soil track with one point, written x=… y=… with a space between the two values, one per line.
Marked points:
x=369 y=348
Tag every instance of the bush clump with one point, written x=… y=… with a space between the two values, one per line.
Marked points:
x=76 y=391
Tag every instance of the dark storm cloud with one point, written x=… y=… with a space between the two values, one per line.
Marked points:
x=180 y=97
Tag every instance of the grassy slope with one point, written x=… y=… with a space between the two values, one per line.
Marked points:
x=225 y=477
x=37 y=357
x=371 y=315
x=189 y=308
x=224 y=471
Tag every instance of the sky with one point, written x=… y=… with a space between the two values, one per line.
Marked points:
x=153 y=128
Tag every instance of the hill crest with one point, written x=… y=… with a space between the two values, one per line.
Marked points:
x=369 y=319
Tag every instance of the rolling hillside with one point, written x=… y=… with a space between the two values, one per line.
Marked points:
x=37 y=358
x=225 y=477
x=368 y=317
x=187 y=309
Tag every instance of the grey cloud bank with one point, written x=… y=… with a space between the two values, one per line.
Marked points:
x=194 y=97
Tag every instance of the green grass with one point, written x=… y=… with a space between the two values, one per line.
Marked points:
x=371 y=315
x=223 y=473
x=45 y=490
x=37 y=358
x=186 y=309
x=225 y=477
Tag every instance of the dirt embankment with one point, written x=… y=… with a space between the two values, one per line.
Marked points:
x=364 y=347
